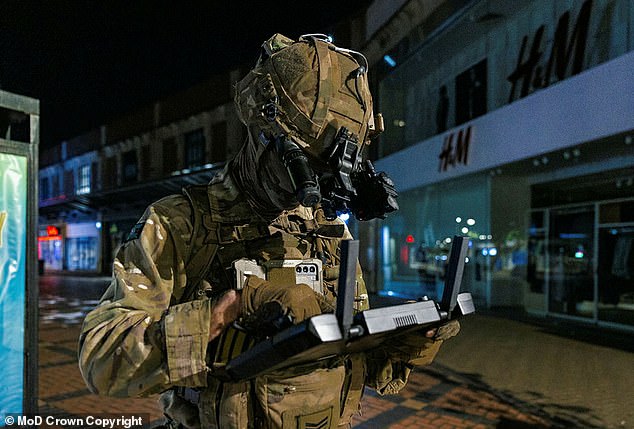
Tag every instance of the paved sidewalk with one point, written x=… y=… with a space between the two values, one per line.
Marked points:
x=504 y=374
x=497 y=373
x=62 y=391
x=435 y=397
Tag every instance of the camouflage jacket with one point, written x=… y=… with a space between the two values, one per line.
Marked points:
x=150 y=331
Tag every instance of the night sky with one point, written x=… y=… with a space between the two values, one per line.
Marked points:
x=91 y=61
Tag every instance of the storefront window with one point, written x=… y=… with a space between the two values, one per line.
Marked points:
x=616 y=275
x=81 y=254
x=536 y=267
x=571 y=250
x=537 y=261
x=82 y=245
x=50 y=248
x=616 y=263
x=415 y=241
x=50 y=251
x=581 y=256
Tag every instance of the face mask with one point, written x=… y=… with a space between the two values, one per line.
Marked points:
x=347 y=185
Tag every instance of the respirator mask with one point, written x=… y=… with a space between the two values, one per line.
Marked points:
x=349 y=184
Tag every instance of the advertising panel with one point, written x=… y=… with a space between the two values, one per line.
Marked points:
x=13 y=243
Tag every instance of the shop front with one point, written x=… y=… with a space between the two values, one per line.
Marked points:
x=50 y=249
x=82 y=246
x=544 y=189
x=70 y=246
x=581 y=255
x=415 y=241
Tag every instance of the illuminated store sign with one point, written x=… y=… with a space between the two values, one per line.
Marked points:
x=531 y=71
x=455 y=149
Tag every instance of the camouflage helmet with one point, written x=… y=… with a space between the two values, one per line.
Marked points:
x=307 y=90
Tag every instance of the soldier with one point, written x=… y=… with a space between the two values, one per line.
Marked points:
x=163 y=323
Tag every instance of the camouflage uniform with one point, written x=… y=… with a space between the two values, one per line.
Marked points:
x=150 y=333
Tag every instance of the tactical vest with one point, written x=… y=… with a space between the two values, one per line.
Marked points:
x=220 y=236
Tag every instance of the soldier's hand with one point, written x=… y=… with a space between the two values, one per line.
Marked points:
x=225 y=310
x=447 y=330
x=433 y=332
x=299 y=301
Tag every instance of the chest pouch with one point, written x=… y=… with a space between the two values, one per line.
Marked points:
x=282 y=272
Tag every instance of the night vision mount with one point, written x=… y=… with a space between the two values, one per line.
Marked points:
x=328 y=335
x=355 y=186
x=351 y=186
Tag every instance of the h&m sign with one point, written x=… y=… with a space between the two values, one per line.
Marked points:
x=530 y=71
x=455 y=149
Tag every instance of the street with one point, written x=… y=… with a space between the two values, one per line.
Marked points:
x=497 y=373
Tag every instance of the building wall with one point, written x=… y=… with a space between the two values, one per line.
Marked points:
x=477 y=58
x=161 y=152
x=126 y=161
x=378 y=13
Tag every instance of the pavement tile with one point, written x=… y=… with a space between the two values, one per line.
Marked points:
x=49 y=357
x=59 y=380
x=93 y=404
x=60 y=334
x=413 y=404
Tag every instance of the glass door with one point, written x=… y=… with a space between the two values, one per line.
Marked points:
x=537 y=261
x=616 y=262
x=571 y=252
